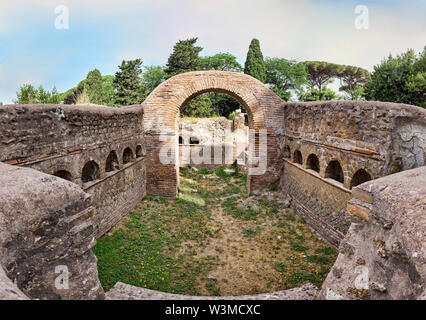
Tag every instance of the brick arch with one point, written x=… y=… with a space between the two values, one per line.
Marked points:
x=162 y=107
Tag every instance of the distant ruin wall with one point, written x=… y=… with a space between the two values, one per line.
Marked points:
x=367 y=140
x=62 y=139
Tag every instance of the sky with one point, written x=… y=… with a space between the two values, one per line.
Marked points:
x=101 y=33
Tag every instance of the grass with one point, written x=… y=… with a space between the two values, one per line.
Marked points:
x=213 y=239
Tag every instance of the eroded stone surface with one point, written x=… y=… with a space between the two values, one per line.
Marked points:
x=387 y=259
x=46 y=231
x=122 y=291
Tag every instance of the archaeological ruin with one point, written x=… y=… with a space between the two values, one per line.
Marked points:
x=354 y=170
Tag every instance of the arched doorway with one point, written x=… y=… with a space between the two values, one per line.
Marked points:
x=161 y=109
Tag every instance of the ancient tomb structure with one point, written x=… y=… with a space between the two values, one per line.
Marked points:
x=70 y=173
x=161 y=111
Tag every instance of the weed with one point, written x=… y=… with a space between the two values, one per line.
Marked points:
x=249 y=233
x=273 y=187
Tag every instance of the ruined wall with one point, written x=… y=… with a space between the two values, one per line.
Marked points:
x=63 y=139
x=45 y=224
x=199 y=139
x=383 y=255
x=320 y=201
x=161 y=111
x=366 y=139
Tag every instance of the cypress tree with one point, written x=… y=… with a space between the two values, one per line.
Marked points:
x=255 y=64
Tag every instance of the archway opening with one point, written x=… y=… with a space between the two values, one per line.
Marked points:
x=334 y=171
x=111 y=162
x=90 y=172
x=360 y=177
x=297 y=157
x=128 y=156
x=287 y=152
x=313 y=163
x=194 y=140
x=140 y=151
x=63 y=174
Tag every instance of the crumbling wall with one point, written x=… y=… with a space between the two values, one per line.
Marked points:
x=46 y=236
x=218 y=141
x=62 y=139
x=367 y=139
x=383 y=255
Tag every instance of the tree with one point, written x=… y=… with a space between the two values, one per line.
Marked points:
x=184 y=58
x=93 y=86
x=221 y=61
x=223 y=104
x=352 y=76
x=200 y=106
x=108 y=90
x=27 y=94
x=399 y=79
x=284 y=75
x=317 y=95
x=321 y=73
x=255 y=65
x=54 y=96
x=128 y=85
x=153 y=76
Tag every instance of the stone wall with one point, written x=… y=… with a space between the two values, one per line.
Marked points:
x=383 y=255
x=61 y=140
x=228 y=138
x=161 y=112
x=46 y=229
x=322 y=202
x=367 y=140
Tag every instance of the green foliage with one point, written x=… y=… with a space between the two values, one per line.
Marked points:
x=205 y=171
x=320 y=73
x=232 y=115
x=200 y=106
x=255 y=65
x=249 y=233
x=358 y=93
x=318 y=258
x=108 y=90
x=128 y=85
x=93 y=86
x=153 y=76
x=317 y=95
x=220 y=172
x=223 y=104
x=352 y=77
x=285 y=75
x=399 y=79
x=184 y=58
x=220 y=61
x=326 y=250
x=27 y=94
x=273 y=187
x=297 y=246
